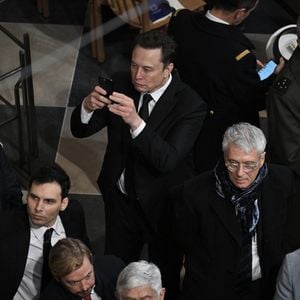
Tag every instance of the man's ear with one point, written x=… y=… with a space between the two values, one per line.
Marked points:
x=168 y=69
x=239 y=15
x=162 y=294
x=64 y=203
x=262 y=158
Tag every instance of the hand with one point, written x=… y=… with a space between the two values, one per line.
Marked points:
x=124 y=107
x=96 y=100
x=280 y=65
x=259 y=64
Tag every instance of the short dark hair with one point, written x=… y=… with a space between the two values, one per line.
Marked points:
x=157 y=39
x=231 y=5
x=52 y=173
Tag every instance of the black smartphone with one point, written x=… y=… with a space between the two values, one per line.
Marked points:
x=107 y=84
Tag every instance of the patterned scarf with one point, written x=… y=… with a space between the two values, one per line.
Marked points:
x=243 y=200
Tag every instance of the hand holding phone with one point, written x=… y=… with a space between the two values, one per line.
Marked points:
x=267 y=70
x=107 y=84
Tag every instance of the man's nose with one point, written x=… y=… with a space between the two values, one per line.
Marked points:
x=240 y=170
x=39 y=205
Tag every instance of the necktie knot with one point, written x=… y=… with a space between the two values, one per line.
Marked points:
x=88 y=297
x=144 y=110
x=47 y=236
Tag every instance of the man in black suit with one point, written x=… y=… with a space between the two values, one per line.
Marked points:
x=232 y=222
x=22 y=232
x=222 y=68
x=144 y=156
x=10 y=189
x=77 y=274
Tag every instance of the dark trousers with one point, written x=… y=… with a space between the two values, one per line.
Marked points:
x=128 y=230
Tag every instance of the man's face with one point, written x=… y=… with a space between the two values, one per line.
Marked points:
x=142 y=293
x=44 y=202
x=147 y=71
x=81 y=281
x=246 y=168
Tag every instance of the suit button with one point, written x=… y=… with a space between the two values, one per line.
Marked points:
x=211 y=112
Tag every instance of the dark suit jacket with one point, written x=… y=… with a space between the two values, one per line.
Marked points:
x=221 y=67
x=283 y=108
x=15 y=239
x=106 y=268
x=10 y=189
x=159 y=155
x=209 y=233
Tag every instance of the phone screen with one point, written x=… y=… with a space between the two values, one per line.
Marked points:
x=267 y=70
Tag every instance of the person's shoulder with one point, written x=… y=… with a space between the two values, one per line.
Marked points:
x=280 y=171
x=74 y=208
x=181 y=88
x=54 y=291
x=181 y=14
x=108 y=262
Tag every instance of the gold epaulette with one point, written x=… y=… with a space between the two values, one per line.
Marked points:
x=242 y=54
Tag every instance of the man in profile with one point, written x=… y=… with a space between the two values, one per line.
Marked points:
x=79 y=275
x=222 y=68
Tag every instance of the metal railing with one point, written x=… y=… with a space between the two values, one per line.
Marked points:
x=22 y=108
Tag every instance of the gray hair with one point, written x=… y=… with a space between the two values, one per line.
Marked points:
x=137 y=274
x=246 y=137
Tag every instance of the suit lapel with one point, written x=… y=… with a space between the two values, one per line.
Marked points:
x=165 y=104
x=225 y=211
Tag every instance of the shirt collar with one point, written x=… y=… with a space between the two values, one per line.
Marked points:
x=157 y=93
x=39 y=231
x=214 y=18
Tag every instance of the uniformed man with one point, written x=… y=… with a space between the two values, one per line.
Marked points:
x=221 y=67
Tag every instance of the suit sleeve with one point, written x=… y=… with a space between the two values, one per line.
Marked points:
x=284 y=286
x=96 y=123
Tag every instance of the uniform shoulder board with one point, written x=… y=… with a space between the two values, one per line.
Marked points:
x=242 y=54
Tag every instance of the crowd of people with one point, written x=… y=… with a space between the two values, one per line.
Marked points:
x=186 y=176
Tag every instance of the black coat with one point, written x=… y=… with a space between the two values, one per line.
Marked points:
x=106 y=269
x=159 y=155
x=15 y=239
x=217 y=61
x=209 y=233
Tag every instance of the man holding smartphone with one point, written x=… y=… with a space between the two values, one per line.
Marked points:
x=222 y=68
x=153 y=120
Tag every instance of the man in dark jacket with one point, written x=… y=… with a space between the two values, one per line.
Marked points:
x=79 y=275
x=48 y=213
x=215 y=58
x=147 y=152
x=234 y=224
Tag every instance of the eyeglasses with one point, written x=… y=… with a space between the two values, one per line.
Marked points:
x=249 y=166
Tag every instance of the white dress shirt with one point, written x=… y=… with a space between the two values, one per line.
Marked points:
x=30 y=284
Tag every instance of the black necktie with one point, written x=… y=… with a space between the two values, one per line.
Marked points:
x=144 y=110
x=46 y=275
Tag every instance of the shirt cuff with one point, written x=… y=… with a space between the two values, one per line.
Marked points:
x=136 y=132
x=84 y=115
